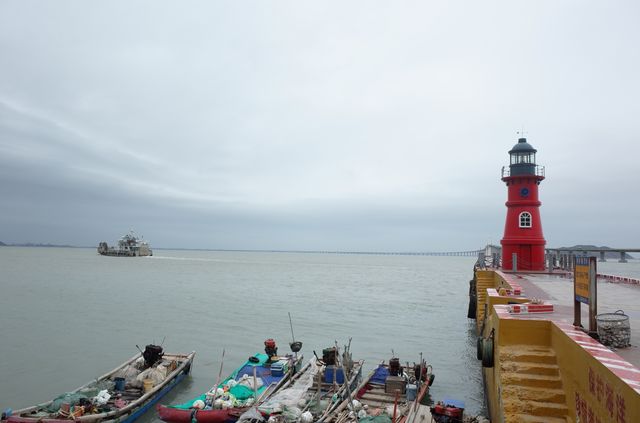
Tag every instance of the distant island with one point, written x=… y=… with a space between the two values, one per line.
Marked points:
x=607 y=255
x=33 y=244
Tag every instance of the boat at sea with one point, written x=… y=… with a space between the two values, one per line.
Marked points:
x=129 y=245
x=254 y=381
x=391 y=393
x=121 y=395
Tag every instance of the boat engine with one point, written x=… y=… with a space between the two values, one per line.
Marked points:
x=394 y=367
x=329 y=356
x=271 y=349
x=448 y=411
x=152 y=354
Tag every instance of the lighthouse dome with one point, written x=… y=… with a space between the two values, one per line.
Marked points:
x=523 y=147
x=523 y=159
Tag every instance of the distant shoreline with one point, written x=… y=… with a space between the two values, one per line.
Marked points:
x=235 y=250
x=232 y=250
x=31 y=244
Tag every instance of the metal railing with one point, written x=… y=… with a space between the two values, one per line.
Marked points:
x=537 y=171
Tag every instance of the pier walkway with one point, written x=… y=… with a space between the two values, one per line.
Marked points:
x=550 y=370
x=558 y=290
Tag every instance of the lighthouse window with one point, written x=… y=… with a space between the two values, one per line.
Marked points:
x=525 y=220
x=523 y=158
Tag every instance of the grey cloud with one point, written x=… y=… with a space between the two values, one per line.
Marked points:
x=313 y=126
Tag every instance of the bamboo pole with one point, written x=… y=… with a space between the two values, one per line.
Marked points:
x=215 y=387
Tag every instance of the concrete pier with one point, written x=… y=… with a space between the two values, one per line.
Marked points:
x=558 y=290
x=539 y=366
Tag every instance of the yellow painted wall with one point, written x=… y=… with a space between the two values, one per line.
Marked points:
x=525 y=332
x=509 y=332
x=484 y=279
x=592 y=387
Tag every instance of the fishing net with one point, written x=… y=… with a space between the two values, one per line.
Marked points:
x=157 y=374
x=242 y=391
x=71 y=398
x=128 y=373
x=251 y=415
x=291 y=396
x=383 y=418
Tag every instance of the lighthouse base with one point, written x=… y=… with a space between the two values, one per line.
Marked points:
x=528 y=257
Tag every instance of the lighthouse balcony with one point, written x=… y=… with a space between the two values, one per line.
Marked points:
x=522 y=170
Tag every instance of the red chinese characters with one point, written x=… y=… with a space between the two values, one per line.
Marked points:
x=620 y=415
x=609 y=399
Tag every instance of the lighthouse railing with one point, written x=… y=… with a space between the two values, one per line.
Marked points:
x=537 y=171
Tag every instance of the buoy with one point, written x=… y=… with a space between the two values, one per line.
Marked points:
x=306 y=417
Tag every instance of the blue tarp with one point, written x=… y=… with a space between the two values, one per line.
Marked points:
x=380 y=376
x=261 y=371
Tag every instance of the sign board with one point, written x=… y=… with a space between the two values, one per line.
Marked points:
x=585 y=290
x=582 y=281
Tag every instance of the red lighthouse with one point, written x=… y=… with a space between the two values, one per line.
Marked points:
x=523 y=227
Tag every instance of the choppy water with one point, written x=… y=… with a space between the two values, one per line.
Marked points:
x=69 y=315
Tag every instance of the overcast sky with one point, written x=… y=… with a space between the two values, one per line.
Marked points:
x=371 y=126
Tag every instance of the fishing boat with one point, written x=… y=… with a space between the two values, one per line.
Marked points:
x=314 y=392
x=391 y=393
x=121 y=395
x=129 y=245
x=254 y=381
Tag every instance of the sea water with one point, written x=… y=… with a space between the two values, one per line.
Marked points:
x=69 y=315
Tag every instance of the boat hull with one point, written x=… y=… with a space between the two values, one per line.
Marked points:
x=186 y=413
x=177 y=415
x=127 y=414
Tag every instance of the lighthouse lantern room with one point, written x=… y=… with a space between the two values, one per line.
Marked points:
x=523 y=242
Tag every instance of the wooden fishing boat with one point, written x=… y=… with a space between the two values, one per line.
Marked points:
x=256 y=380
x=314 y=392
x=389 y=394
x=121 y=395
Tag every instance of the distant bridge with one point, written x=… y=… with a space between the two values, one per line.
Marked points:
x=556 y=257
x=584 y=250
x=470 y=253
